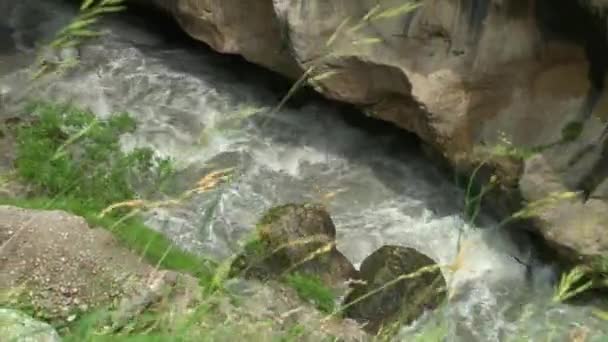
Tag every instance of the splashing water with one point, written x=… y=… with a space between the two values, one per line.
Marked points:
x=209 y=112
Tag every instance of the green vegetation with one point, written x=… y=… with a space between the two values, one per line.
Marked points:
x=75 y=164
x=79 y=30
x=271 y=215
x=571 y=284
x=312 y=290
x=572 y=131
x=309 y=288
x=582 y=278
x=433 y=332
x=68 y=152
x=474 y=195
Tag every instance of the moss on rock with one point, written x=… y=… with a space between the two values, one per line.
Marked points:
x=295 y=238
x=400 y=284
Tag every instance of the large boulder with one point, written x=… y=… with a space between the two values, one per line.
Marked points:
x=296 y=238
x=399 y=285
x=462 y=74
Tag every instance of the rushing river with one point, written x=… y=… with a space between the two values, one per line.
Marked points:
x=209 y=112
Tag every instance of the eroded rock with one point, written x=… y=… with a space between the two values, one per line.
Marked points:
x=400 y=284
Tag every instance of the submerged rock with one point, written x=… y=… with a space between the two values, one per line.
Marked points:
x=401 y=300
x=18 y=327
x=296 y=238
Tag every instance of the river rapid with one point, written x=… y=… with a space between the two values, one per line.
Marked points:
x=208 y=111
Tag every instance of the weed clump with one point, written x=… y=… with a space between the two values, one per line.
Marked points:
x=75 y=163
x=311 y=289
x=68 y=152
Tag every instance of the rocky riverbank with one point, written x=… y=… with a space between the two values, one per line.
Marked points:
x=60 y=270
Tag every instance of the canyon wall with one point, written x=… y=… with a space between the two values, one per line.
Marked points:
x=517 y=84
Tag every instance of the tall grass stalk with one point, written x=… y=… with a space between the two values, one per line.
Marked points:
x=80 y=29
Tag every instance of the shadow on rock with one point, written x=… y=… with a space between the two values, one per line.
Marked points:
x=400 y=284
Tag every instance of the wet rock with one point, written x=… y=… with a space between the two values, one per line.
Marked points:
x=19 y=327
x=296 y=238
x=401 y=300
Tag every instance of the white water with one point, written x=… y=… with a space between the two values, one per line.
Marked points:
x=196 y=107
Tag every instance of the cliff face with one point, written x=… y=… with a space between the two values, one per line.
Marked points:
x=462 y=74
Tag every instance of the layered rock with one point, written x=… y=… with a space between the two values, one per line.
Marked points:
x=459 y=73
